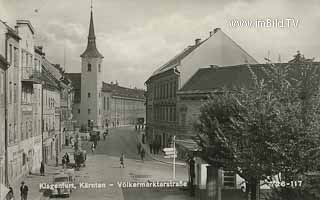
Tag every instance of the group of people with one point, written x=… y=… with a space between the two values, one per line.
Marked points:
x=23 y=192
x=155 y=147
x=141 y=151
x=65 y=160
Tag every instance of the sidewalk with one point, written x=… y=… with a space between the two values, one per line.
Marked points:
x=158 y=157
x=33 y=181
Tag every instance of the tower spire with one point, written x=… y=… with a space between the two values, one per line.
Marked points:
x=91 y=50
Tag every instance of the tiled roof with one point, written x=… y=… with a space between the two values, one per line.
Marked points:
x=75 y=79
x=175 y=60
x=123 y=91
x=211 y=78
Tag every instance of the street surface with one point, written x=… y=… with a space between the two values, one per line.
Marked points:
x=103 y=166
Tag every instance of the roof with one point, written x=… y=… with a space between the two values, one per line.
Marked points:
x=11 y=31
x=222 y=45
x=175 y=60
x=47 y=77
x=91 y=50
x=120 y=91
x=28 y=23
x=211 y=78
x=75 y=79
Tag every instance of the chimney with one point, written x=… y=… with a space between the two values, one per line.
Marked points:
x=16 y=28
x=197 y=41
x=211 y=33
x=216 y=30
x=117 y=83
x=111 y=82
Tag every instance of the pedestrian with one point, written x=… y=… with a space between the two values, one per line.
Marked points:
x=92 y=147
x=42 y=168
x=24 y=191
x=63 y=162
x=122 y=160
x=154 y=147
x=10 y=195
x=150 y=147
x=142 y=154
x=67 y=158
x=139 y=147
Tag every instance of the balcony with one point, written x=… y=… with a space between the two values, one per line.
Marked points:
x=30 y=75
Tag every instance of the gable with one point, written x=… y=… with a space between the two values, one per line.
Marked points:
x=218 y=50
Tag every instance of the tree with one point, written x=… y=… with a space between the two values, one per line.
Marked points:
x=268 y=128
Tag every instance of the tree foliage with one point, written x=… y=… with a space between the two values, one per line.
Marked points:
x=267 y=128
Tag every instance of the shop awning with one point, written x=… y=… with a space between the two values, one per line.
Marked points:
x=188 y=144
x=3 y=191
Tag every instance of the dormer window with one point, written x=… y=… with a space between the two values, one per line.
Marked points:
x=89 y=67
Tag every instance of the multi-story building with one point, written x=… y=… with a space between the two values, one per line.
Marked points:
x=3 y=67
x=163 y=114
x=98 y=104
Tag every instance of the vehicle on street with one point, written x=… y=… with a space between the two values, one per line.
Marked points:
x=62 y=183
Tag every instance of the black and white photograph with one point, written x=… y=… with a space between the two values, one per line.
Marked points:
x=159 y=100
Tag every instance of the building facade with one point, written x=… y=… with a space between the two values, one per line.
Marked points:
x=163 y=114
x=22 y=83
x=3 y=67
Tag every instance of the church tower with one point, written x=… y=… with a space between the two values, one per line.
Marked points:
x=91 y=81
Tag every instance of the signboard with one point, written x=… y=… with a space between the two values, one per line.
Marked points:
x=170 y=153
x=171 y=156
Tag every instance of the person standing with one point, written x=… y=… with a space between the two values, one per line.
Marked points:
x=142 y=154
x=10 y=195
x=150 y=147
x=24 y=191
x=122 y=160
x=139 y=147
x=42 y=168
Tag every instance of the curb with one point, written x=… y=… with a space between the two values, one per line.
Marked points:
x=156 y=159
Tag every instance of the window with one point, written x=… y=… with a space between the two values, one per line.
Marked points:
x=104 y=103
x=15 y=93
x=10 y=53
x=99 y=67
x=16 y=55
x=10 y=92
x=89 y=111
x=89 y=67
x=108 y=103
x=89 y=94
x=78 y=111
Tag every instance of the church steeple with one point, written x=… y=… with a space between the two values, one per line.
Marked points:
x=91 y=50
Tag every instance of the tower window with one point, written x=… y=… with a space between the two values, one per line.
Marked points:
x=89 y=111
x=89 y=67
x=99 y=67
x=89 y=94
x=78 y=111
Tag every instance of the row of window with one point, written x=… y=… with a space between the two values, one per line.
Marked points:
x=89 y=69
x=165 y=90
x=165 y=113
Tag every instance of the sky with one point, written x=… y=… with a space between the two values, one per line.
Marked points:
x=137 y=37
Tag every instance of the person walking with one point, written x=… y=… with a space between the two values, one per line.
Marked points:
x=139 y=147
x=67 y=159
x=24 y=191
x=63 y=162
x=122 y=160
x=10 y=195
x=142 y=154
x=92 y=147
x=42 y=168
